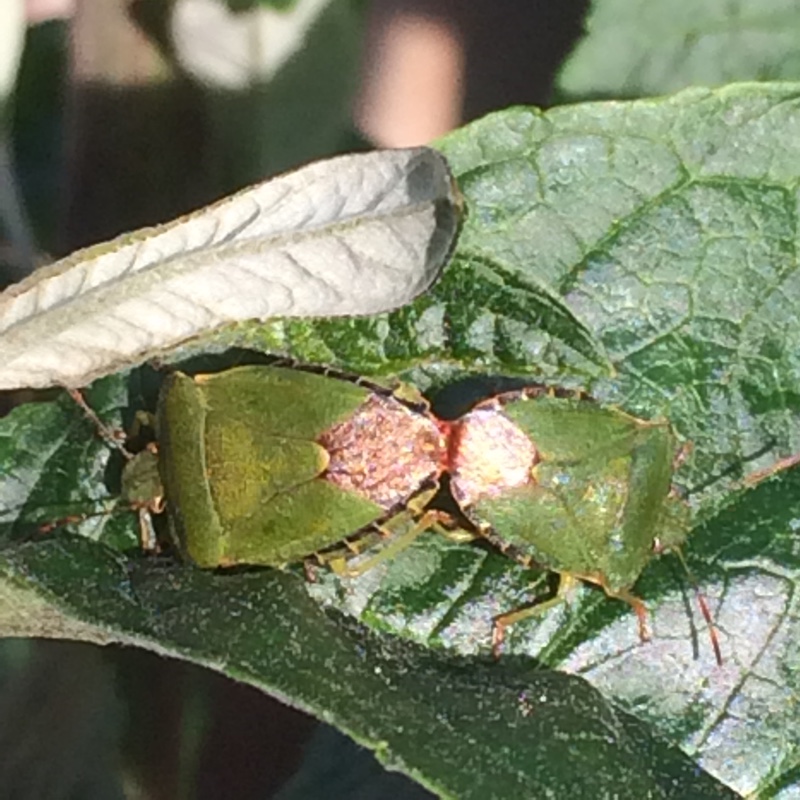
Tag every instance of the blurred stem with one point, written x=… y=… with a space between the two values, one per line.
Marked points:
x=20 y=260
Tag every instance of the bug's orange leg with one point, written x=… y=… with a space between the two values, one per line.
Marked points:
x=566 y=583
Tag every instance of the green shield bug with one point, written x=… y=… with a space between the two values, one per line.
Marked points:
x=558 y=481
x=267 y=465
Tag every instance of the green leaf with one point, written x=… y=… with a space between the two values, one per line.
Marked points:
x=387 y=695
x=633 y=48
x=645 y=251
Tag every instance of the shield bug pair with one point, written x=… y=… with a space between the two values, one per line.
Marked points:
x=268 y=465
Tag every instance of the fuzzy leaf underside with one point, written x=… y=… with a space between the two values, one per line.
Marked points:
x=386 y=694
x=356 y=234
x=635 y=48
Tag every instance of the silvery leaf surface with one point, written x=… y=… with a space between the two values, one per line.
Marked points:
x=353 y=235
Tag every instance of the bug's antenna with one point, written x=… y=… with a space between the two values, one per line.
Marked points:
x=147 y=532
x=74 y=519
x=105 y=432
x=702 y=604
x=781 y=464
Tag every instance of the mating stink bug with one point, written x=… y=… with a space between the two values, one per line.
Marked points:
x=267 y=465
x=556 y=480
